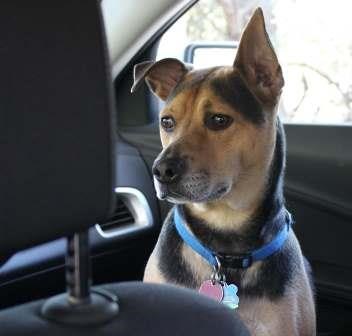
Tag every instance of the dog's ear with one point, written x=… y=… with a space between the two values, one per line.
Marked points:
x=257 y=62
x=161 y=76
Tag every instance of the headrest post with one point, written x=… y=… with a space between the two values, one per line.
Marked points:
x=81 y=305
x=78 y=273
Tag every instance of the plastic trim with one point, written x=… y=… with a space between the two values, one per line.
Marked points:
x=139 y=207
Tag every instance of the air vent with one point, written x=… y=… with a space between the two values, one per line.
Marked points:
x=132 y=214
x=122 y=216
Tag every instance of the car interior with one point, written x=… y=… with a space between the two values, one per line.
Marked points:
x=77 y=151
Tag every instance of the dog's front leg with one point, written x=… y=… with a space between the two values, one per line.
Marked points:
x=152 y=272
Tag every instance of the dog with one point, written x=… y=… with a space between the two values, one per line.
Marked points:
x=222 y=165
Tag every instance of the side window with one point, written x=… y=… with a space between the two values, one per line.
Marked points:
x=312 y=42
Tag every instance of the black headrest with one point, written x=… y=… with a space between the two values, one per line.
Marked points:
x=56 y=139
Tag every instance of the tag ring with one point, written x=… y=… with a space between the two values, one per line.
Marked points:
x=217 y=276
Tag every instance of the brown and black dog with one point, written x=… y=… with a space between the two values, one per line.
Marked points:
x=223 y=162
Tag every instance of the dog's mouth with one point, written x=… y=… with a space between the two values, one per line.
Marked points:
x=190 y=190
x=162 y=190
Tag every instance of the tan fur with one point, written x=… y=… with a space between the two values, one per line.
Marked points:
x=266 y=318
x=152 y=273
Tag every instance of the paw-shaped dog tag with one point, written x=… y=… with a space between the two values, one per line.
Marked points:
x=230 y=298
x=212 y=290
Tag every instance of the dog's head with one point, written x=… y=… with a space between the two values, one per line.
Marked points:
x=218 y=124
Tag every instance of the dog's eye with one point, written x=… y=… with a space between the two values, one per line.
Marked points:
x=217 y=122
x=167 y=123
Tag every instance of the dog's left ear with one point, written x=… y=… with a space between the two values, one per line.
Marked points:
x=257 y=62
x=161 y=76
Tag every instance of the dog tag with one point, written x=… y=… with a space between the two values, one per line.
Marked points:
x=230 y=298
x=212 y=290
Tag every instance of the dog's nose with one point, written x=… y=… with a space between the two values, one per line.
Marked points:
x=168 y=170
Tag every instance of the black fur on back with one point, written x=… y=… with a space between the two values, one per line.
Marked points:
x=275 y=273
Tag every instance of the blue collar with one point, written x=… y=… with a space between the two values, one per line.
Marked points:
x=238 y=260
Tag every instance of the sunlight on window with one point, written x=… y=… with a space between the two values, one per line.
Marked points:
x=312 y=40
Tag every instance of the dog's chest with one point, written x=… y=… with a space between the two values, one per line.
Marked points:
x=202 y=271
x=181 y=265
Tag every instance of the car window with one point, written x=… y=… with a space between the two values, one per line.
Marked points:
x=312 y=41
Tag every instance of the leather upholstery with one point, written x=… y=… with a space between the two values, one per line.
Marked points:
x=146 y=309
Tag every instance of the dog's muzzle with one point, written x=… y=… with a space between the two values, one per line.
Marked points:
x=174 y=182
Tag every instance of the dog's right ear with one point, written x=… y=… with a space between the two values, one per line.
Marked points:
x=161 y=76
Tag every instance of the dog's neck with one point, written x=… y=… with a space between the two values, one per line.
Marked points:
x=239 y=206
x=245 y=215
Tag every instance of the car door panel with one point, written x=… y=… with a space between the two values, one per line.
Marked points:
x=319 y=192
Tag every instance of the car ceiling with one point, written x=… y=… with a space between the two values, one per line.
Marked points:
x=138 y=25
